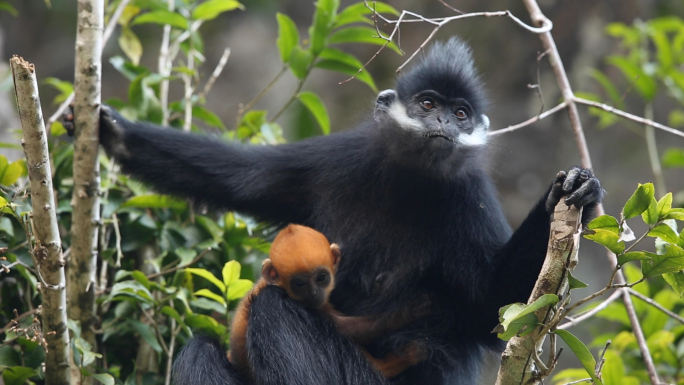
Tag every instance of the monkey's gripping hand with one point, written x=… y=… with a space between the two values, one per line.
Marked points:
x=577 y=187
x=111 y=133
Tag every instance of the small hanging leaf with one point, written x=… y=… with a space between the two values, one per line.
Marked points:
x=575 y=283
x=676 y=280
x=646 y=85
x=608 y=239
x=664 y=205
x=673 y=157
x=104 y=378
x=582 y=353
x=146 y=333
x=650 y=216
x=518 y=310
x=288 y=36
x=130 y=45
x=300 y=60
x=677 y=214
x=211 y=9
x=322 y=24
x=633 y=256
x=605 y=222
x=155 y=201
x=664 y=232
x=670 y=262
x=162 y=17
x=231 y=272
x=239 y=288
x=639 y=201
x=365 y=35
x=211 y=295
x=314 y=104
x=208 y=276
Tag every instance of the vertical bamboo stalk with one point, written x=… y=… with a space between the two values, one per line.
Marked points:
x=85 y=200
x=47 y=248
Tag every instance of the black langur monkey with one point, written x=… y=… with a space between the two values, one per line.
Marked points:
x=406 y=197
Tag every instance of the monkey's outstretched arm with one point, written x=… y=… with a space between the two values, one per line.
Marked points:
x=266 y=181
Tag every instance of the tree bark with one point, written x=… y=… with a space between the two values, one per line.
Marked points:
x=47 y=247
x=561 y=256
x=85 y=200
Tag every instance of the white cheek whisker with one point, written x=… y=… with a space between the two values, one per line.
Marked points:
x=398 y=112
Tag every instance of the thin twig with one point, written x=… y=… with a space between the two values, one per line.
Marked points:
x=251 y=103
x=627 y=115
x=164 y=67
x=19 y=318
x=574 y=321
x=655 y=304
x=641 y=340
x=117 y=233
x=110 y=28
x=579 y=381
x=217 y=72
x=529 y=121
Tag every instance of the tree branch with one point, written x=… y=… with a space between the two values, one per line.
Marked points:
x=561 y=251
x=47 y=252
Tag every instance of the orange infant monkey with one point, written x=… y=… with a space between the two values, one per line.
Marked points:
x=303 y=263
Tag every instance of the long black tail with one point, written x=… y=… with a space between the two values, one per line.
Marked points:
x=203 y=362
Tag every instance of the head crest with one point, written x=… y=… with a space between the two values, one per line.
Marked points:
x=448 y=69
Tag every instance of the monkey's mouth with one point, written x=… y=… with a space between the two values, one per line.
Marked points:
x=440 y=134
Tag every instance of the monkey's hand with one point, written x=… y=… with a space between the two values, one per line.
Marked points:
x=111 y=131
x=577 y=187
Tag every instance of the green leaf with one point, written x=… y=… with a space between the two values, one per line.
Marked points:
x=104 y=378
x=130 y=45
x=633 y=256
x=670 y=262
x=676 y=117
x=582 y=353
x=314 y=104
x=518 y=310
x=646 y=85
x=300 y=60
x=155 y=202
x=650 y=216
x=4 y=203
x=140 y=277
x=162 y=17
x=17 y=375
x=322 y=24
x=521 y=326
x=65 y=89
x=335 y=60
x=9 y=8
x=357 y=12
x=569 y=375
x=676 y=280
x=147 y=333
x=608 y=239
x=208 y=117
x=663 y=49
x=664 y=205
x=365 y=35
x=132 y=289
x=208 y=276
x=211 y=295
x=10 y=172
x=613 y=369
x=605 y=222
x=205 y=324
x=239 y=288
x=665 y=233
x=288 y=36
x=211 y=9
x=575 y=283
x=231 y=272
x=57 y=129
x=677 y=214
x=673 y=157
x=639 y=201
x=608 y=86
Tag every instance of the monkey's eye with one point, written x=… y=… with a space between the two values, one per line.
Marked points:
x=462 y=113
x=320 y=278
x=299 y=282
x=427 y=104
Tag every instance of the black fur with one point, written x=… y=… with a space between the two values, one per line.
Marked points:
x=414 y=216
x=203 y=361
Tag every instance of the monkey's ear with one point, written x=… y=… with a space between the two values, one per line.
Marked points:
x=336 y=254
x=383 y=103
x=269 y=272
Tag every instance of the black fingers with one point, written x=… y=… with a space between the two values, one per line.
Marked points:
x=68 y=120
x=579 y=187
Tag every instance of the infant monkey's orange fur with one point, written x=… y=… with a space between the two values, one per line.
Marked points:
x=303 y=263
